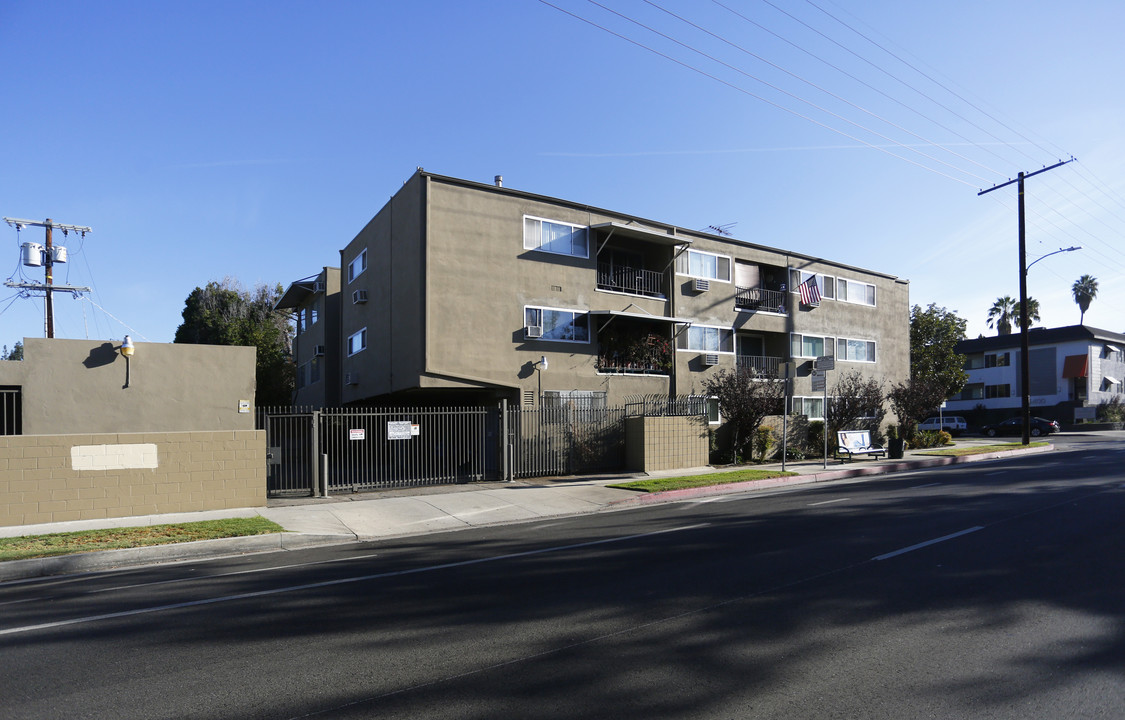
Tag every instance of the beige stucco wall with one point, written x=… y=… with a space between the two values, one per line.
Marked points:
x=54 y=478
x=77 y=386
x=665 y=443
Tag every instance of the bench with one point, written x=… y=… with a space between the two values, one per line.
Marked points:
x=856 y=442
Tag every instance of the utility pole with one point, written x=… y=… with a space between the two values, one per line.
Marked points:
x=48 y=260
x=1025 y=371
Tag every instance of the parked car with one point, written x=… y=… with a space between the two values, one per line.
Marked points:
x=952 y=424
x=1014 y=426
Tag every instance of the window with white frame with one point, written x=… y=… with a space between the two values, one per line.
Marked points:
x=855 y=350
x=825 y=283
x=357 y=342
x=854 y=291
x=699 y=264
x=546 y=323
x=357 y=265
x=704 y=338
x=811 y=407
x=555 y=237
x=810 y=346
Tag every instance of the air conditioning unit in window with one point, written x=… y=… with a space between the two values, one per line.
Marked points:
x=533 y=331
x=711 y=359
x=319 y=286
x=318 y=350
x=701 y=285
x=351 y=378
x=359 y=297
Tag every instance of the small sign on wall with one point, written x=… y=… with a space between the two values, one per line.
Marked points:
x=243 y=406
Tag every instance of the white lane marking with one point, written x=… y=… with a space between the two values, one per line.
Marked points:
x=340 y=581
x=927 y=543
x=828 y=502
x=919 y=487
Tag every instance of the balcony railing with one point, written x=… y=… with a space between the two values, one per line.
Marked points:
x=633 y=281
x=762 y=366
x=761 y=299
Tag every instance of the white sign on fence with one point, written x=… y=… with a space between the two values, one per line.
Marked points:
x=357 y=434
x=399 y=430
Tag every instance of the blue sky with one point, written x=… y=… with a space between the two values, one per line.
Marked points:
x=254 y=139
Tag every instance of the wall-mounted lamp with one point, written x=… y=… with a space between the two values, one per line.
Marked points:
x=540 y=365
x=127 y=353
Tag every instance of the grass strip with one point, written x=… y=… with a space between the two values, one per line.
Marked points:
x=37 y=546
x=979 y=449
x=652 y=485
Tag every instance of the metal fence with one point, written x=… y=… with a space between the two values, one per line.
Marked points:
x=11 y=411
x=352 y=449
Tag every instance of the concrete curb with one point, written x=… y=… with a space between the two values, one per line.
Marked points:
x=882 y=468
x=160 y=554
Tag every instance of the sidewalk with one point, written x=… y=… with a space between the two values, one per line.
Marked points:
x=311 y=522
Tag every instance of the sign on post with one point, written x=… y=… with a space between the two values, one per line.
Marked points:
x=786 y=370
x=825 y=362
x=819 y=381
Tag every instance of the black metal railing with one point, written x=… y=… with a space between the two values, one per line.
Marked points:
x=761 y=299
x=633 y=281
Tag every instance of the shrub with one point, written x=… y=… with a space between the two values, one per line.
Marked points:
x=1112 y=410
x=931 y=439
x=763 y=441
x=816 y=437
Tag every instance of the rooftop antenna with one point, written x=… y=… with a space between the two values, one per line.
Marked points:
x=723 y=230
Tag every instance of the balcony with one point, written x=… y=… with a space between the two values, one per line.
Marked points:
x=760 y=366
x=629 y=280
x=760 y=299
x=633 y=350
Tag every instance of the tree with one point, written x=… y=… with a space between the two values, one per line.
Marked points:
x=1085 y=289
x=16 y=353
x=226 y=314
x=856 y=404
x=1001 y=313
x=745 y=401
x=937 y=370
x=1005 y=313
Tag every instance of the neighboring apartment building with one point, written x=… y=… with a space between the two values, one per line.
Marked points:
x=315 y=304
x=460 y=292
x=1072 y=370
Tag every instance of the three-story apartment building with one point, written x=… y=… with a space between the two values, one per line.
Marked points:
x=462 y=292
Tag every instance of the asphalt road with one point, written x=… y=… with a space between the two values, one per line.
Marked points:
x=991 y=590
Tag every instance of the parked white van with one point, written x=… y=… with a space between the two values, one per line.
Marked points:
x=952 y=424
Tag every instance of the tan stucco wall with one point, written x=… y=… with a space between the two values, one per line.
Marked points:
x=77 y=386
x=55 y=478
x=665 y=443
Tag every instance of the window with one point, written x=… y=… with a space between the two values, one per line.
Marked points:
x=560 y=325
x=713 y=415
x=306 y=318
x=854 y=291
x=855 y=350
x=574 y=399
x=695 y=263
x=554 y=237
x=301 y=373
x=812 y=407
x=707 y=339
x=997 y=391
x=358 y=265
x=825 y=283
x=314 y=370
x=357 y=342
x=997 y=360
x=810 y=346
x=974 y=362
x=973 y=391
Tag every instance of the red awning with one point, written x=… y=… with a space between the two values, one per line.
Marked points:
x=1074 y=366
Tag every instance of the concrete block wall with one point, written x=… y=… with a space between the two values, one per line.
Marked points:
x=666 y=443
x=55 y=478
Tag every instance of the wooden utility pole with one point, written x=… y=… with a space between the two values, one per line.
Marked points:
x=1025 y=368
x=48 y=265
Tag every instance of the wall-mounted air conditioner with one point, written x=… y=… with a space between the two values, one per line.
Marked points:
x=359 y=297
x=711 y=359
x=351 y=378
x=318 y=350
x=701 y=285
x=533 y=331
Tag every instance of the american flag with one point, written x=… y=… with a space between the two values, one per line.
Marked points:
x=810 y=293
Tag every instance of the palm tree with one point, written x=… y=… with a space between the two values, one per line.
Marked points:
x=1032 y=313
x=1001 y=313
x=1085 y=289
